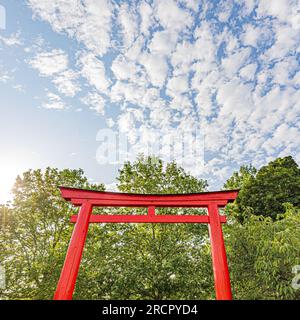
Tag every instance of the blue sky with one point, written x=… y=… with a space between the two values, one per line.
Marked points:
x=148 y=71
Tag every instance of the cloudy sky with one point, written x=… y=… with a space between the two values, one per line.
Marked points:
x=70 y=69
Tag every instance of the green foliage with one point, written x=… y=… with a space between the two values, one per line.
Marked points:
x=240 y=178
x=149 y=261
x=261 y=254
x=148 y=175
x=34 y=243
x=265 y=192
x=5 y=217
x=145 y=261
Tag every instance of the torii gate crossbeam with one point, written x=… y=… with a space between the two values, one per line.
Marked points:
x=87 y=199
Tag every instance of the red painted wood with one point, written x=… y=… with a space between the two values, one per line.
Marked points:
x=67 y=280
x=219 y=260
x=87 y=199
x=151 y=211
x=147 y=219
x=146 y=203
x=71 y=193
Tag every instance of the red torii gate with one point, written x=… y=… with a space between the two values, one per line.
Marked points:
x=88 y=199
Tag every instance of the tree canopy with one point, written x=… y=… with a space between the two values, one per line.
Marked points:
x=34 y=242
x=149 y=261
x=266 y=191
x=240 y=178
x=262 y=253
x=148 y=175
x=154 y=261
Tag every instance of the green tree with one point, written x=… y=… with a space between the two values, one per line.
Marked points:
x=5 y=217
x=150 y=261
x=240 y=178
x=149 y=175
x=34 y=243
x=262 y=253
x=274 y=184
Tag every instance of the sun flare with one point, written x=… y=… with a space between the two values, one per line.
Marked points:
x=10 y=168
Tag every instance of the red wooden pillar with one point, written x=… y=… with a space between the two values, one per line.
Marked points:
x=67 y=280
x=219 y=260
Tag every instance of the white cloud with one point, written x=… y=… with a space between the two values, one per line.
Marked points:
x=95 y=102
x=177 y=85
x=125 y=69
x=248 y=72
x=242 y=92
x=126 y=122
x=235 y=99
x=110 y=122
x=147 y=19
x=133 y=52
x=283 y=70
x=235 y=61
x=160 y=117
x=93 y=70
x=184 y=55
x=163 y=42
x=286 y=42
x=248 y=7
x=256 y=35
x=281 y=9
x=283 y=137
x=54 y=102
x=171 y=16
x=89 y=21
x=4 y=78
x=156 y=66
x=204 y=101
x=50 y=63
x=192 y=4
x=19 y=88
x=129 y=92
x=151 y=98
x=251 y=35
x=203 y=50
x=55 y=64
x=225 y=11
x=128 y=20
x=12 y=40
x=66 y=83
x=5 y=75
